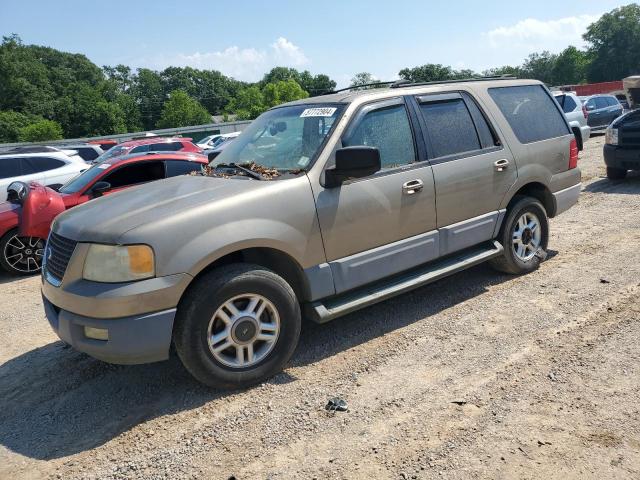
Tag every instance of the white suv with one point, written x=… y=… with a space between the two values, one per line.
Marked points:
x=576 y=114
x=50 y=168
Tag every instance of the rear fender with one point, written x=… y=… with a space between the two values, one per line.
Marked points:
x=39 y=208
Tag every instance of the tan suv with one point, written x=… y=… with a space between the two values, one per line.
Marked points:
x=318 y=208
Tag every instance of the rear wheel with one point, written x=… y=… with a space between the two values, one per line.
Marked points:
x=524 y=235
x=21 y=255
x=237 y=326
x=616 y=173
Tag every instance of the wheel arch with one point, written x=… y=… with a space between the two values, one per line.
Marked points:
x=538 y=191
x=273 y=259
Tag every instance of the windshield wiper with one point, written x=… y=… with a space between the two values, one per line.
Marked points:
x=248 y=172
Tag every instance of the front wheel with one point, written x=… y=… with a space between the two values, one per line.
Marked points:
x=21 y=255
x=237 y=326
x=524 y=235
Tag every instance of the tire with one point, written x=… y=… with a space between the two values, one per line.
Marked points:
x=616 y=173
x=205 y=313
x=523 y=256
x=21 y=255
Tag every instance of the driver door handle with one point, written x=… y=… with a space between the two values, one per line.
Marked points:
x=501 y=165
x=412 y=186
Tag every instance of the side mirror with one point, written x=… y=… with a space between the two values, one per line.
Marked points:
x=17 y=192
x=99 y=188
x=591 y=107
x=353 y=162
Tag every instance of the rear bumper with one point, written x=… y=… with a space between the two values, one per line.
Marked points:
x=585 y=132
x=132 y=340
x=624 y=158
x=566 y=198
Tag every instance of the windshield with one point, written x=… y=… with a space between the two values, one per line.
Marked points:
x=79 y=182
x=112 y=152
x=285 y=138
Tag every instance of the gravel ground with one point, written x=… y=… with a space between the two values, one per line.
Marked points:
x=480 y=375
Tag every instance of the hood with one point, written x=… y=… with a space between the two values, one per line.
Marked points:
x=106 y=219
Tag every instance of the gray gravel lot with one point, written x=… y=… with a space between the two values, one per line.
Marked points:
x=480 y=375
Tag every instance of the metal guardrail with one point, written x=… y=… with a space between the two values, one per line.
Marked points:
x=208 y=129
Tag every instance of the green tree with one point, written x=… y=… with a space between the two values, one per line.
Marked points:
x=149 y=94
x=248 y=103
x=614 y=44
x=40 y=131
x=540 y=66
x=282 y=91
x=11 y=122
x=182 y=111
x=570 y=67
x=363 y=78
x=504 y=70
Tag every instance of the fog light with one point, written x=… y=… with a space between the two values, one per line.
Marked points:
x=96 y=333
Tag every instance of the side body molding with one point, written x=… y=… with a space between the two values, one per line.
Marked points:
x=344 y=274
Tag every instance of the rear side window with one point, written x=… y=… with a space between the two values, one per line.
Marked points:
x=388 y=130
x=450 y=127
x=530 y=111
x=181 y=167
x=10 y=167
x=87 y=153
x=613 y=102
x=40 y=164
x=567 y=103
x=135 y=173
x=165 y=147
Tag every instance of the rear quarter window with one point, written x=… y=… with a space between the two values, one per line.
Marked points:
x=530 y=111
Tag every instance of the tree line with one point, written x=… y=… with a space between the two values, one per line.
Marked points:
x=47 y=94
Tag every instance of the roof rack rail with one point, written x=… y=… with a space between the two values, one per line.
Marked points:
x=401 y=84
x=352 y=87
x=407 y=83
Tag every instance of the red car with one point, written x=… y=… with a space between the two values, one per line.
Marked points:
x=151 y=144
x=25 y=222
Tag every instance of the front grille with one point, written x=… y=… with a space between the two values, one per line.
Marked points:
x=58 y=254
x=629 y=137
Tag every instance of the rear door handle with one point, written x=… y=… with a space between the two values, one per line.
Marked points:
x=412 y=186
x=501 y=165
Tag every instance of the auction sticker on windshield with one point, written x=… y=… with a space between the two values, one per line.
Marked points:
x=318 y=112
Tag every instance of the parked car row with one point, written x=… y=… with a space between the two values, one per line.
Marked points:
x=26 y=219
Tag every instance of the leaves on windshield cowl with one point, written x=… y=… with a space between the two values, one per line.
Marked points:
x=266 y=172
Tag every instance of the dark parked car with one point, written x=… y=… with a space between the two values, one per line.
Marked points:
x=622 y=147
x=602 y=110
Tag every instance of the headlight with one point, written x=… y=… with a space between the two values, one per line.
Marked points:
x=611 y=136
x=118 y=263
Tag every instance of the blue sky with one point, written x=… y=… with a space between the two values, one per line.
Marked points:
x=244 y=39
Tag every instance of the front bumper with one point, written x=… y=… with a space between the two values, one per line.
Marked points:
x=623 y=158
x=132 y=340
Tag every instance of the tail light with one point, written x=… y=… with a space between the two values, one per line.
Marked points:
x=573 y=154
x=585 y=112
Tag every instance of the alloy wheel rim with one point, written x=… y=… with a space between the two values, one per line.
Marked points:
x=527 y=236
x=243 y=330
x=24 y=254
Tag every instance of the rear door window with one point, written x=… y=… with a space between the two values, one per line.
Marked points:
x=181 y=167
x=40 y=164
x=449 y=126
x=530 y=111
x=10 y=167
x=133 y=174
x=387 y=128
